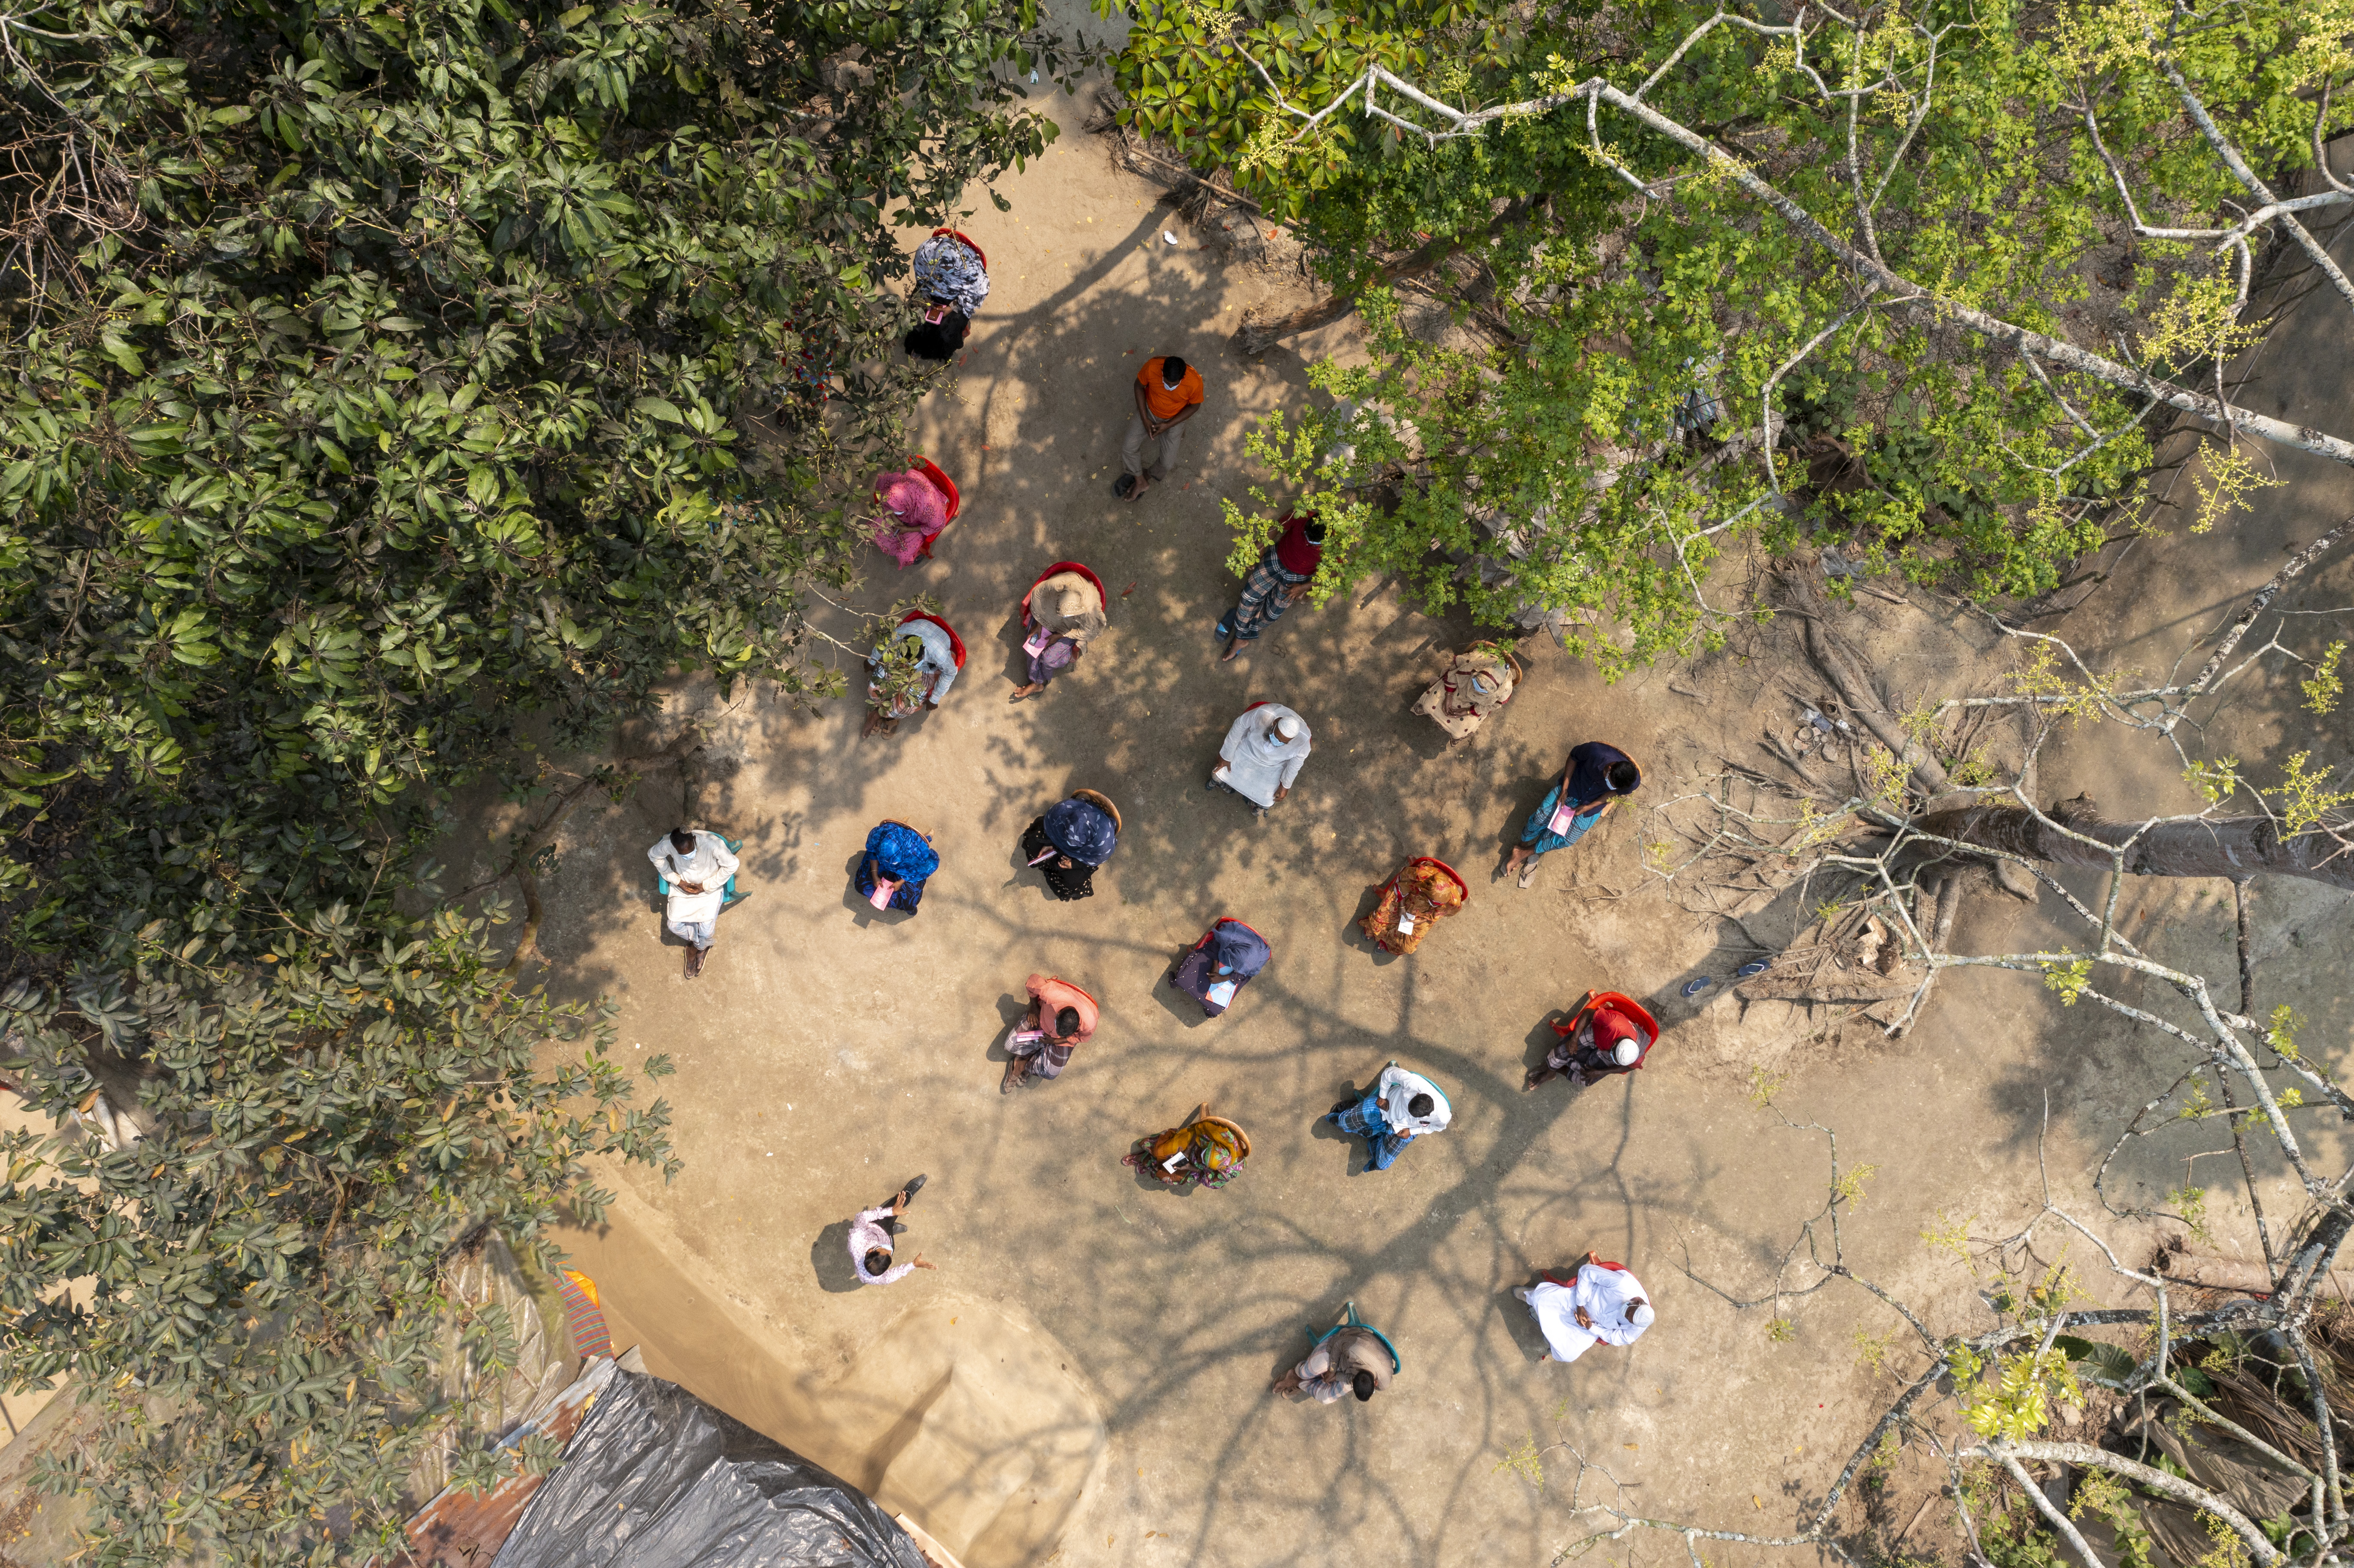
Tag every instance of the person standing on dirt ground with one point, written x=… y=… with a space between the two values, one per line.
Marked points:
x=1604 y=1305
x=1263 y=751
x=1353 y=1359
x=697 y=866
x=870 y=1239
x=1168 y=393
x=1591 y=782
x=1279 y=581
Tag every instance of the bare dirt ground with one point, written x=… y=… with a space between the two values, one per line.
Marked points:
x=1083 y=1380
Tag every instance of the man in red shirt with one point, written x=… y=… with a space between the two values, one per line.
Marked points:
x=1168 y=393
x=1605 y=1042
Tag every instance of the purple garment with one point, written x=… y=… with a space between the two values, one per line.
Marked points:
x=1059 y=654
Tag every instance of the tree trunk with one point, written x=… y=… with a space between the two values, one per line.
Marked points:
x=2214 y=1273
x=2230 y=847
x=527 y=943
x=1850 y=677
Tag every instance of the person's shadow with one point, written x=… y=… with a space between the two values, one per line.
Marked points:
x=1182 y=1006
x=1540 y=1042
x=1324 y=1127
x=1011 y=1010
x=1010 y=637
x=1354 y=934
x=1520 y=1323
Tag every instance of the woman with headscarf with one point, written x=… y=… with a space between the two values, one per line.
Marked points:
x=1061 y=1017
x=897 y=863
x=911 y=508
x=913 y=668
x=951 y=281
x=1400 y=1108
x=1476 y=682
x=1424 y=892
x=1061 y=613
x=1071 y=839
x=1279 y=581
x=1221 y=964
x=1264 y=749
x=1208 y=1150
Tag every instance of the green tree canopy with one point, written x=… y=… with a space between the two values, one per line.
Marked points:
x=382 y=387
x=1746 y=265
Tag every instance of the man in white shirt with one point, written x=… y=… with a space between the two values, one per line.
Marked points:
x=1606 y=1306
x=870 y=1240
x=697 y=866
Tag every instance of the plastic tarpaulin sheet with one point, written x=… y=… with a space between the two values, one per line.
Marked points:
x=656 y=1479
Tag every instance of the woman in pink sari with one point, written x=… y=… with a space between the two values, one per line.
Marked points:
x=912 y=506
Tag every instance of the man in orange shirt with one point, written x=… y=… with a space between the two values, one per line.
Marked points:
x=1168 y=393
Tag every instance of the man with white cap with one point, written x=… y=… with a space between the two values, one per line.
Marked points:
x=1263 y=751
x=1604 y=1305
x=1604 y=1041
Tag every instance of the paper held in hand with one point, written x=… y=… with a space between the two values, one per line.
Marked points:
x=1222 y=993
x=1405 y=922
x=1035 y=643
x=1562 y=815
x=1021 y=1036
x=881 y=897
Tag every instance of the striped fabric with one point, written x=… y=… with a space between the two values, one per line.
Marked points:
x=583 y=1316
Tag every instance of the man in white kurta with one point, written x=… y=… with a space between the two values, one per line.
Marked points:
x=1262 y=754
x=1606 y=1306
x=697 y=866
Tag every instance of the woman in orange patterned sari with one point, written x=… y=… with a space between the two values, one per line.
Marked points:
x=1423 y=892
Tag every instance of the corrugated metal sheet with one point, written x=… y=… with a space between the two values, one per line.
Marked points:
x=465 y=1530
